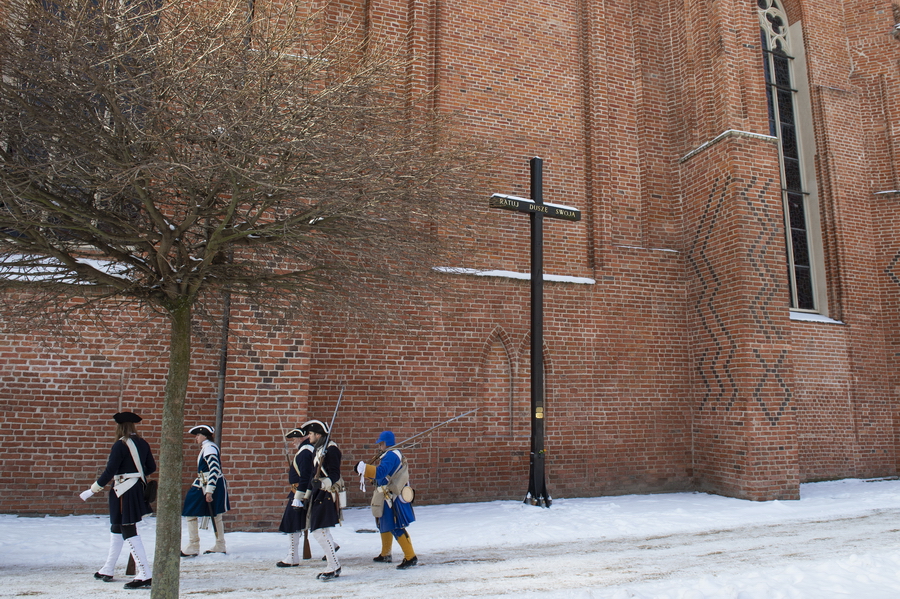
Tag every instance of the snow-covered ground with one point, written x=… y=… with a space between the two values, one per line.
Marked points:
x=841 y=539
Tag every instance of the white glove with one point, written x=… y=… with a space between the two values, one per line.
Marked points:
x=297 y=502
x=325 y=482
x=361 y=468
x=86 y=495
x=96 y=488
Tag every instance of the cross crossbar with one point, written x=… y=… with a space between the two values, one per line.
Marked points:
x=508 y=202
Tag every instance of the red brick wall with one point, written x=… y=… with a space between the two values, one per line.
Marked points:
x=825 y=411
x=678 y=368
x=58 y=399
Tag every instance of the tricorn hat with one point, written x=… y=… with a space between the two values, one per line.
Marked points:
x=295 y=433
x=314 y=426
x=123 y=417
x=203 y=429
x=387 y=437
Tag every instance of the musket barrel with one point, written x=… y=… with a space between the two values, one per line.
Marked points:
x=425 y=432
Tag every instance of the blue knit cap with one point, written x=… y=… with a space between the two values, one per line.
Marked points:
x=387 y=437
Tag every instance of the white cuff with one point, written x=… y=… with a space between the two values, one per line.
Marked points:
x=96 y=488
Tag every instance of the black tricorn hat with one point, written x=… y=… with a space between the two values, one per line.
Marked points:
x=295 y=433
x=122 y=417
x=203 y=429
x=314 y=426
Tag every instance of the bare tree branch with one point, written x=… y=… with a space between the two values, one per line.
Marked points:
x=169 y=154
x=163 y=140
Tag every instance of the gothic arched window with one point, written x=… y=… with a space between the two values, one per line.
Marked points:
x=787 y=92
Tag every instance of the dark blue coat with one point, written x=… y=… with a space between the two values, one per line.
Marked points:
x=295 y=520
x=131 y=506
x=323 y=510
x=209 y=469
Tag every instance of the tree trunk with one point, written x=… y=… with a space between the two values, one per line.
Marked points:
x=167 y=560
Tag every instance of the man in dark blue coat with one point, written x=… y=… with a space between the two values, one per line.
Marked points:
x=208 y=496
x=318 y=491
x=293 y=521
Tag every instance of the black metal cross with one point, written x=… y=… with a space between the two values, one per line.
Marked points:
x=537 y=209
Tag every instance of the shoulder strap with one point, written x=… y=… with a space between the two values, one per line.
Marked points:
x=399 y=478
x=137 y=460
x=319 y=461
x=294 y=461
x=402 y=459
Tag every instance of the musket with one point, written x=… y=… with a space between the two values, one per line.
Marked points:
x=422 y=434
x=333 y=416
x=284 y=443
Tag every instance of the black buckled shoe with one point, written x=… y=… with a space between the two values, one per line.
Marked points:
x=408 y=563
x=103 y=577
x=384 y=559
x=286 y=565
x=329 y=575
x=183 y=554
x=138 y=584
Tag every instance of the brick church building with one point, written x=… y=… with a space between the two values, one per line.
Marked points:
x=723 y=318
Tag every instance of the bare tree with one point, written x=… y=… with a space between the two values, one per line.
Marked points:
x=172 y=154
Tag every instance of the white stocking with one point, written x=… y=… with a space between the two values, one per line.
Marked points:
x=115 y=548
x=219 y=547
x=193 y=529
x=294 y=555
x=323 y=536
x=140 y=558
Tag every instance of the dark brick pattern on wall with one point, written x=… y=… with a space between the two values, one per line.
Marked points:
x=744 y=429
x=720 y=388
x=673 y=364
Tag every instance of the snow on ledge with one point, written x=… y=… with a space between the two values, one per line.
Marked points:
x=637 y=247
x=813 y=317
x=508 y=274
x=723 y=135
